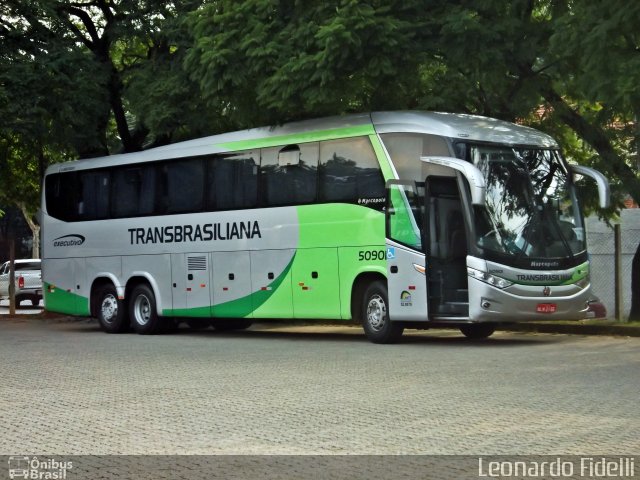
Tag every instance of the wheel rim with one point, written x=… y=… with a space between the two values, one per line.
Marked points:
x=376 y=312
x=109 y=308
x=142 y=310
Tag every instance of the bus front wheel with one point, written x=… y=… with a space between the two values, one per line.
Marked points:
x=375 y=315
x=142 y=310
x=110 y=310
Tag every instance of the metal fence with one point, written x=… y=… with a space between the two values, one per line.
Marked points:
x=602 y=248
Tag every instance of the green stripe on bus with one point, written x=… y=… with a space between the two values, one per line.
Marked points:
x=315 y=136
x=59 y=300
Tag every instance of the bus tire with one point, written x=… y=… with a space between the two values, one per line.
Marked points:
x=375 y=316
x=478 y=331
x=110 y=310
x=142 y=311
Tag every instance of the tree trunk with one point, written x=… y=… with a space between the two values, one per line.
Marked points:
x=35 y=229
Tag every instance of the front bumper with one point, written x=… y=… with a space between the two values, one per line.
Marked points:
x=490 y=304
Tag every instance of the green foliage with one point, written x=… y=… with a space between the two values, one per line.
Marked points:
x=271 y=61
x=80 y=79
x=599 y=40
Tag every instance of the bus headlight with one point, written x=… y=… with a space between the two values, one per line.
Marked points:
x=498 y=282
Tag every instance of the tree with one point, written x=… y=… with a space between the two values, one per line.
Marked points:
x=93 y=77
x=270 y=62
x=64 y=68
x=575 y=62
x=49 y=100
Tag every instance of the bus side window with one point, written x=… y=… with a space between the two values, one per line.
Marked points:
x=62 y=196
x=93 y=203
x=349 y=171
x=134 y=192
x=232 y=181
x=184 y=185
x=126 y=188
x=294 y=184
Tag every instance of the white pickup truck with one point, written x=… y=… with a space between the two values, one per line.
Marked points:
x=28 y=281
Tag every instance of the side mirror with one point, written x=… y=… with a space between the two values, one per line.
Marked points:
x=469 y=171
x=604 y=193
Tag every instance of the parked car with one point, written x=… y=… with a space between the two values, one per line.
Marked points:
x=28 y=281
x=596 y=309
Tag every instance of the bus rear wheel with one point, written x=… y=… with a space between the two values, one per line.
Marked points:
x=375 y=315
x=478 y=331
x=110 y=310
x=142 y=311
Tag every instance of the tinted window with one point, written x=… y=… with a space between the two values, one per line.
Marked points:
x=232 y=181
x=61 y=195
x=94 y=195
x=333 y=171
x=134 y=192
x=405 y=150
x=349 y=171
x=184 y=186
x=293 y=184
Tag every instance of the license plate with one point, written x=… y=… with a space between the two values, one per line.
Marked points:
x=546 y=308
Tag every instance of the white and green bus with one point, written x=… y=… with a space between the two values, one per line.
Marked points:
x=393 y=219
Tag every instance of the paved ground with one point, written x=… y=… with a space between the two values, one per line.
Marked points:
x=25 y=307
x=67 y=388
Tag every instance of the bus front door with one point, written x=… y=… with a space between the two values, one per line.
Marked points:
x=406 y=284
x=447 y=232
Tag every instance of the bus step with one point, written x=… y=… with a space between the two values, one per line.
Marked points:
x=453 y=308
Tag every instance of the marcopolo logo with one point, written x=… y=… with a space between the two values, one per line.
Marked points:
x=69 y=241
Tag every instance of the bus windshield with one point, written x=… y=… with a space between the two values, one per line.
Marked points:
x=531 y=210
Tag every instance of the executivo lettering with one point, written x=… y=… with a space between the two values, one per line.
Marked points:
x=195 y=233
x=69 y=241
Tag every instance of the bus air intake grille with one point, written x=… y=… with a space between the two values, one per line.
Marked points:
x=196 y=263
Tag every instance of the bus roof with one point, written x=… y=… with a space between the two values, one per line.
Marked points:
x=462 y=126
